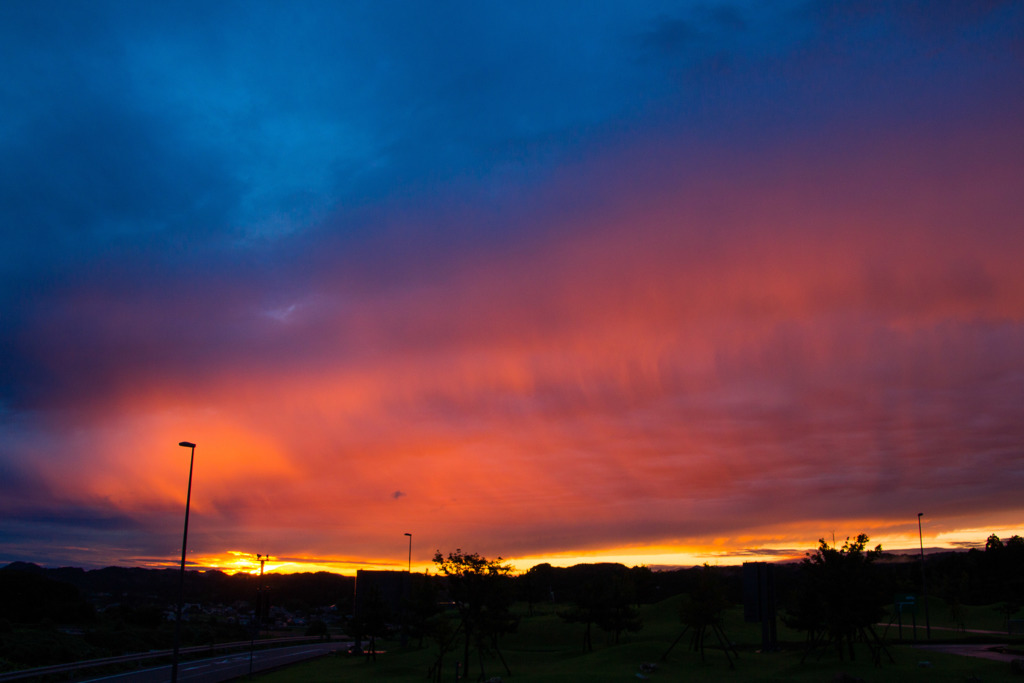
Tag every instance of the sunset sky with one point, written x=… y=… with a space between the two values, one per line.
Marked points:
x=662 y=282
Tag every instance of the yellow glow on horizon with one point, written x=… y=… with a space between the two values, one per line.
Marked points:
x=660 y=557
x=974 y=537
x=719 y=551
x=234 y=562
x=725 y=553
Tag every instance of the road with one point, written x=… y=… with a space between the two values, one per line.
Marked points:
x=994 y=652
x=226 y=667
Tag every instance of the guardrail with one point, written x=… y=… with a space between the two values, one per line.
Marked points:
x=142 y=656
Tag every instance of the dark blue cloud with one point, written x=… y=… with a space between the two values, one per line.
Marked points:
x=184 y=168
x=71 y=534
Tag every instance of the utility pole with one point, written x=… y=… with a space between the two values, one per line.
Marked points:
x=924 y=585
x=258 y=612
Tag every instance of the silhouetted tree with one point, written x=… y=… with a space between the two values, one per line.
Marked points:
x=701 y=610
x=644 y=584
x=604 y=596
x=704 y=606
x=839 y=600
x=1004 y=563
x=441 y=630
x=583 y=611
x=618 y=612
x=481 y=591
x=537 y=585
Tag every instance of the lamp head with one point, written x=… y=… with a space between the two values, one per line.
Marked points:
x=186 y=444
x=408 y=534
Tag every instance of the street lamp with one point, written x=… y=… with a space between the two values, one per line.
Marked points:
x=407 y=590
x=924 y=586
x=181 y=579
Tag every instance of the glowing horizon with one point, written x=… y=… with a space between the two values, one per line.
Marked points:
x=719 y=553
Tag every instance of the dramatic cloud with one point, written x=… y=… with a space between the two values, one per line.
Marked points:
x=685 y=280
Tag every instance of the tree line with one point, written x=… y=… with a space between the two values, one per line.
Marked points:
x=465 y=607
x=836 y=595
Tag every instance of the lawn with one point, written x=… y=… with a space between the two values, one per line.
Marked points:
x=546 y=650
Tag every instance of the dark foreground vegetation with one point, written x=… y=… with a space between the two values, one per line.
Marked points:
x=545 y=649
x=837 y=611
x=54 y=616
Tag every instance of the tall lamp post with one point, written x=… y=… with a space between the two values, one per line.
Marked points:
x=924 y=586
x=181 y=578
x=407 y=591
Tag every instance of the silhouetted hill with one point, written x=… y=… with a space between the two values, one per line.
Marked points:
x=136 y=586
x=28 y=595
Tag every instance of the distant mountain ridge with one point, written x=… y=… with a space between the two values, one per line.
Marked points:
x=138 y=585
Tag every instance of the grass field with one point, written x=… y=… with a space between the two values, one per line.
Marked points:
x=546 y=650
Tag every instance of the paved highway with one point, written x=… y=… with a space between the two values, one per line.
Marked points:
x=226 y=667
